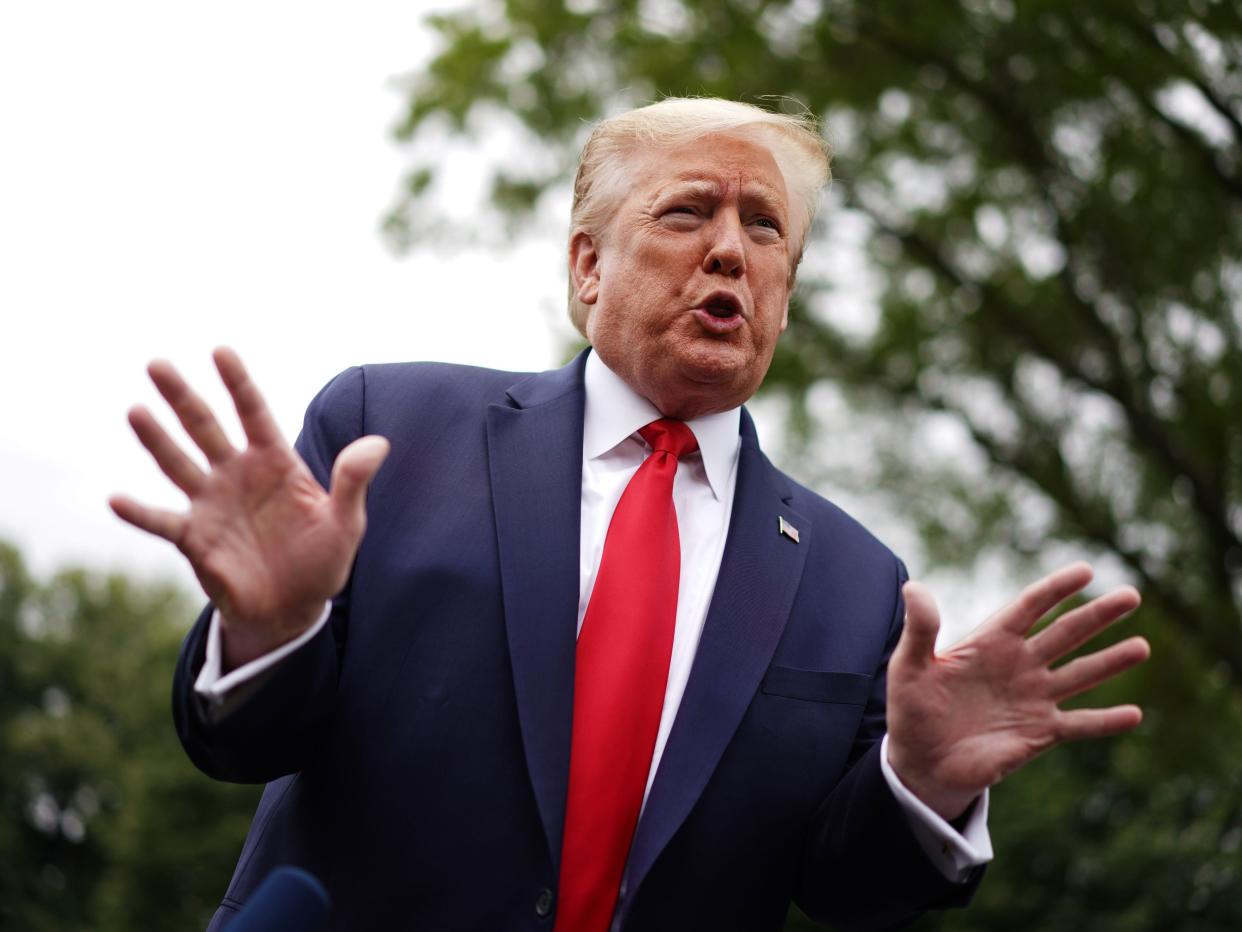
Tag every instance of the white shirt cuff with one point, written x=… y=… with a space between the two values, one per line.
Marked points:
x=954 y=853
x=217 y=688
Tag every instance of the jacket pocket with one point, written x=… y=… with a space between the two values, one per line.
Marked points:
x=815 y=686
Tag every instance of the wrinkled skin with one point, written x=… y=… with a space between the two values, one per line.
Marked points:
x=704 y=219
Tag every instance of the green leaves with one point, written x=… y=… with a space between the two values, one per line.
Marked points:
x=105 y=825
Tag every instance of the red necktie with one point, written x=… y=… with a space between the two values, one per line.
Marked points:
x=621 y=671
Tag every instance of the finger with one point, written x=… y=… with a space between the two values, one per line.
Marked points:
x=256 y=417
x=1078 y=724
x=352 y=472
x=1085 y=673
x=166 y=524
x=918 y=639
x=1075 y=628
x=1041 y=597
x=178 y=467
x=191 y=411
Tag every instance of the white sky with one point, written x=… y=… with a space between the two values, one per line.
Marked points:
x=174 y=177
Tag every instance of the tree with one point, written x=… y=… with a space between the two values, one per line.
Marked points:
x=1042 y=202
x=106 y=824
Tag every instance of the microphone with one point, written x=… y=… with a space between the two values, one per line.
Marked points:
x=288 y=900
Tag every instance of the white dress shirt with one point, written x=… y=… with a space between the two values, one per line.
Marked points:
x=612 y=451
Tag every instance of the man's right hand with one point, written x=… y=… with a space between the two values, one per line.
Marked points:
x=269 y=546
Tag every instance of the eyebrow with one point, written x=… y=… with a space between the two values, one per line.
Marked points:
x=700 y=187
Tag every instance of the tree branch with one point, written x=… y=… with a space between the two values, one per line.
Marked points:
x=1187 y=136
x=1148 y=431
x=1075 y=511
x=1139 y=30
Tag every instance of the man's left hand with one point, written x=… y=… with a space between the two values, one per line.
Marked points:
x=961 y=720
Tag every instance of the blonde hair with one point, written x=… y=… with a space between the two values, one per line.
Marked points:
x=604 y=167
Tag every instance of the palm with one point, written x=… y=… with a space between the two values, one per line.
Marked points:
x=961 y=720
x=268 y=544
x=263 y=529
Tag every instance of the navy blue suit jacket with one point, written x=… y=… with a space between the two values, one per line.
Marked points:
x=416 y=751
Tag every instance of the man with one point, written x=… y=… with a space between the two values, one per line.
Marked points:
x=596 y=663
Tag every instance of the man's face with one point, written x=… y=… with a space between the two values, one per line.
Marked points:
x=688 y=286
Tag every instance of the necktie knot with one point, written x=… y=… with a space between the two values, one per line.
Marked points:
x=669 y=436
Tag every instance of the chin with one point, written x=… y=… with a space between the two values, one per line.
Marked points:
x=704 y=388
x=723 y=368
x=718 y=364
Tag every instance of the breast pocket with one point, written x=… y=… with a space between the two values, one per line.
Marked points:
x=817 y=686
x=795 y=740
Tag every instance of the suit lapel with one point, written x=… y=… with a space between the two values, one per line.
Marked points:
x=535 y=461
x=759 y=575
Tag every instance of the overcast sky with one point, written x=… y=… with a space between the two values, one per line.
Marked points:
x=175 y=177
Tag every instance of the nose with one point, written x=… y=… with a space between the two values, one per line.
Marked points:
x=726 y=252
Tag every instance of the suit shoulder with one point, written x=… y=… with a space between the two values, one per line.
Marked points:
x=405 y=377
x=373 y=398
x=408 y=398
x=388 y=389
x=840 y=525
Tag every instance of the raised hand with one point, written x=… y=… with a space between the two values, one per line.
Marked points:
x=962 y=720
x=268 y=544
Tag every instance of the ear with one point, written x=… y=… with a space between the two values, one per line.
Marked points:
x=584 y=267
x=789 y=289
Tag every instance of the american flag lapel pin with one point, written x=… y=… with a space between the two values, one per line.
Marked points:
x=787 y=529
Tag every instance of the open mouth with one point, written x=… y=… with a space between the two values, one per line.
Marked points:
x=720 y=312
x=722 y=305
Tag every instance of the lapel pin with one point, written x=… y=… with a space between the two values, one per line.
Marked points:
x=788 y=529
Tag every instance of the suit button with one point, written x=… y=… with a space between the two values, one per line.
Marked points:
x=543 y=903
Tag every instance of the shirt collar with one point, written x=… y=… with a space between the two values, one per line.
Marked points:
x=614 y=411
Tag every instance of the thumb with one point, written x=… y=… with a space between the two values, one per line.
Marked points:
x=352 y=472
x=918 y=640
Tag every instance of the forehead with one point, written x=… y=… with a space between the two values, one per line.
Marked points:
x=721 y=162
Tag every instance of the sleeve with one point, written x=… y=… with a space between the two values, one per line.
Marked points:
x=282 y=720
x=861 y=840
x=223 y=692
x=955 y=852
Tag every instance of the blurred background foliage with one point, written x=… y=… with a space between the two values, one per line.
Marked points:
x=1019 y=324
x=104 y=823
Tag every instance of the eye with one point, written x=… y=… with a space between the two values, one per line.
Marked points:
x=767 y=223
x=681 y=216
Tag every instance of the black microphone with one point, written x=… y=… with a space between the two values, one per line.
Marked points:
x=288 y=900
